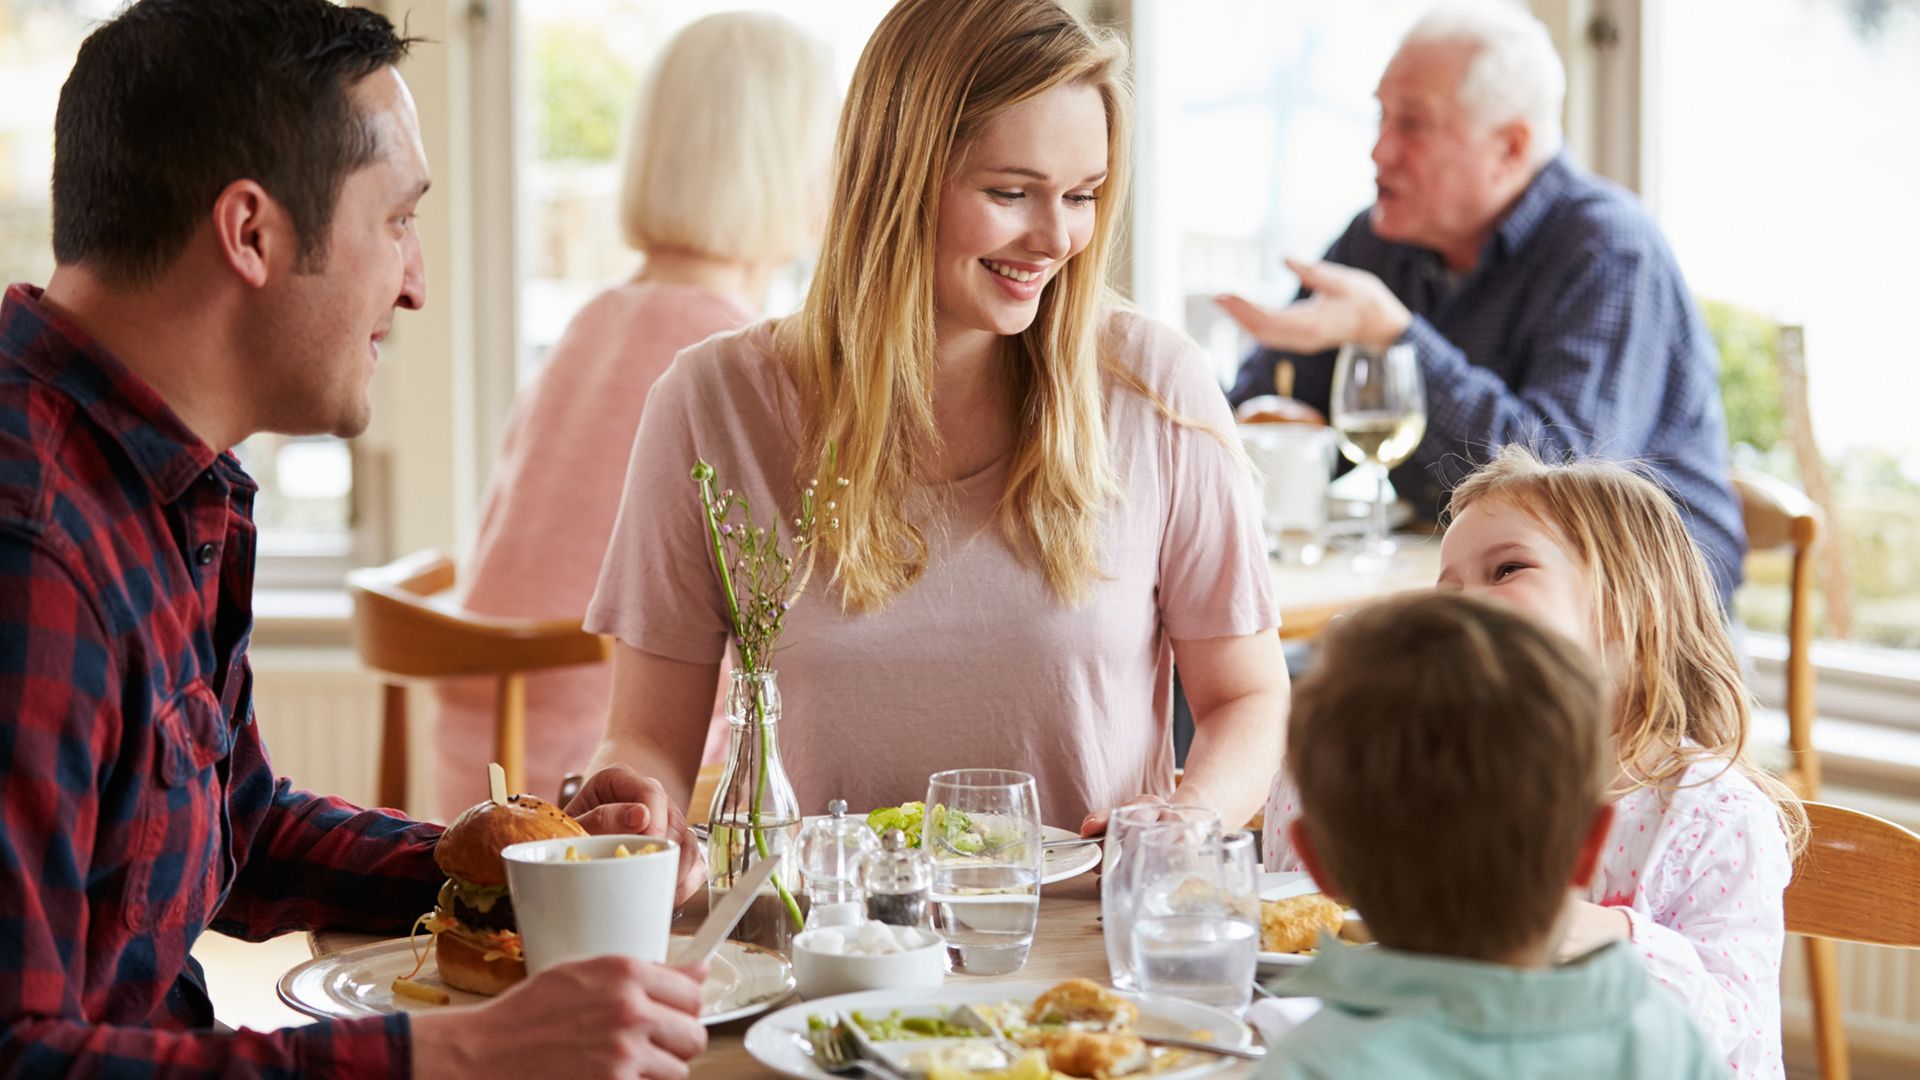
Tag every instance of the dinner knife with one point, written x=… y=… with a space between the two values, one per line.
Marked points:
x=726 y=914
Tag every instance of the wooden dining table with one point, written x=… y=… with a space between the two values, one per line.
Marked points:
x=1066 y=944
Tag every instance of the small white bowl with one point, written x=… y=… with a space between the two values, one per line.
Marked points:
x=820 y=974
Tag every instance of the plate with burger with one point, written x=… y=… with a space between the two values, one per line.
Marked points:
x=473 y=951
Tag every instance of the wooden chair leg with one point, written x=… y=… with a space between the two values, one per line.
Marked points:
x=392 y=784
x=1829 y=1014
x=510 y=731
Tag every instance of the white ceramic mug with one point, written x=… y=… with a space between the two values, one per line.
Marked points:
x=1295 y=465
x=604 y=906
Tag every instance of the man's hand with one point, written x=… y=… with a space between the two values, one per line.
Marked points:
x=590 y=1019
x=618 y=799
x=1346 y=305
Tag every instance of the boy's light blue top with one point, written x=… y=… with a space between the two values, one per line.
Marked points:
x=1397 y=1014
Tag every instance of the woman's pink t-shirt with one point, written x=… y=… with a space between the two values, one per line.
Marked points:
x=976 y=664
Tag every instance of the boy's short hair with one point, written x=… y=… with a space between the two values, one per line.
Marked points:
x=1450 y=755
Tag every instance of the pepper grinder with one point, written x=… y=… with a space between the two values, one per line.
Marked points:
x=831 y=850
x=899 y=881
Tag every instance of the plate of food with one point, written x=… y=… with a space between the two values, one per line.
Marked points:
x=1293 y=915
x=1002 y=1031
x=381 y=978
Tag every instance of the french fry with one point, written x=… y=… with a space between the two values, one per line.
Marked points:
x=419 y=991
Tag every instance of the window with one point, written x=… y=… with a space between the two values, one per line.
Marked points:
x=584 y=61
x=1784 y=182
x=305 y=507
x=1257 y=124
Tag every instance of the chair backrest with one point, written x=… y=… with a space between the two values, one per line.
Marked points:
x=401 y=630
x=1858 y=880
x=1777 y=515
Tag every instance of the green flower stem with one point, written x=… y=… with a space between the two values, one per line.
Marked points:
x=751 y=662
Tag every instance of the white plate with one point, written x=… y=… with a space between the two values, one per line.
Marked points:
x=742 y=980
x=1056 y=865
x=772 y=1040
x=1279 y=886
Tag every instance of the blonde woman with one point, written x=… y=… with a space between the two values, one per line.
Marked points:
x=724 y=182
x=1700 y=850
x=1041 y=514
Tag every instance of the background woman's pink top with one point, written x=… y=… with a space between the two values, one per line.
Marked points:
x=548 y=513
x=977 y=664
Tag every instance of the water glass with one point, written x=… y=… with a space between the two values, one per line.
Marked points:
x=1118 y=858
x=1196 y=918
x=982 y=831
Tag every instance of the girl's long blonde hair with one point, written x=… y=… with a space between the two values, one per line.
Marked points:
x=861 y=348
x=1680 y=697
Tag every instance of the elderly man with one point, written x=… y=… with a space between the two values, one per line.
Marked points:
x=234 y=187
x=1544 y=306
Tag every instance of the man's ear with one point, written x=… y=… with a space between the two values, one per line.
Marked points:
x=1590 y=849
x=1310 y=858
x=1516 y=144
x=251 y=230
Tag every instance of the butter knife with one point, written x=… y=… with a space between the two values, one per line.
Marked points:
x=726 y=914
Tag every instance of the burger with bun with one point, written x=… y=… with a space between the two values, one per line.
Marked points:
x=476 y=942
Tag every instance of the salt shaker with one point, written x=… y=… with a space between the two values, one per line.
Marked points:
x=898 y=881
x=831 y=850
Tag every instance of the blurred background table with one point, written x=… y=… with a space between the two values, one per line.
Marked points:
x=1310 y=596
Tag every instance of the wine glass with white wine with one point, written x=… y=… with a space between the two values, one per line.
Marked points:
x=1380 y=413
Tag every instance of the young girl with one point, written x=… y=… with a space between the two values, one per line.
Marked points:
x=1701 y=846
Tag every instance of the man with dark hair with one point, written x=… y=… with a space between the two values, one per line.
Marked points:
x=234 y=190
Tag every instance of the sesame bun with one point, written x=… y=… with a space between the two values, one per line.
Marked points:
x=463 y=965
x=469 y=850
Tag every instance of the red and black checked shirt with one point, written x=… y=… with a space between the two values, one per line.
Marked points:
x=137 y=805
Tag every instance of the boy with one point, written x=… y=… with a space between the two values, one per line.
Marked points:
x=1451 y=758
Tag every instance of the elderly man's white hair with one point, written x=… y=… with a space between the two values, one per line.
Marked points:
x=1515 y=72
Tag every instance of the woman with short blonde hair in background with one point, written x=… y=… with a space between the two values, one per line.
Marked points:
x=723 y=184
x=1043 y=508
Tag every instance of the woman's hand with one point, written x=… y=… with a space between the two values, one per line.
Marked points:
x=617 y=799
x=1095 y=823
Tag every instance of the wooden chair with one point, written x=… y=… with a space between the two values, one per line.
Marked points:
x=1858 y=880
x=1778 y=516
x=403 y=632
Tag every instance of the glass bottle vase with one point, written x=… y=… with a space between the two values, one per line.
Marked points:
x=755 y=815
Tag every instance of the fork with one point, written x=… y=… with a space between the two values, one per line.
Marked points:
x=833 y=1049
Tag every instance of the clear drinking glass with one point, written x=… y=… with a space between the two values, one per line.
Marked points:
x=1118 y=858
x=1196 y=918
x=1380 y=413
x=982 y=830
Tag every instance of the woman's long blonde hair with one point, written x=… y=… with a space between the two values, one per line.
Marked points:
x=934 y=74
x=1680 y=697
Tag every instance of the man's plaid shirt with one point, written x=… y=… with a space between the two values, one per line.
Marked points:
x=137 y=805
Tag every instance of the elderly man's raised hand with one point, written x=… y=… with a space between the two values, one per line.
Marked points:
x=607 y=1017
x=1346 y=305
